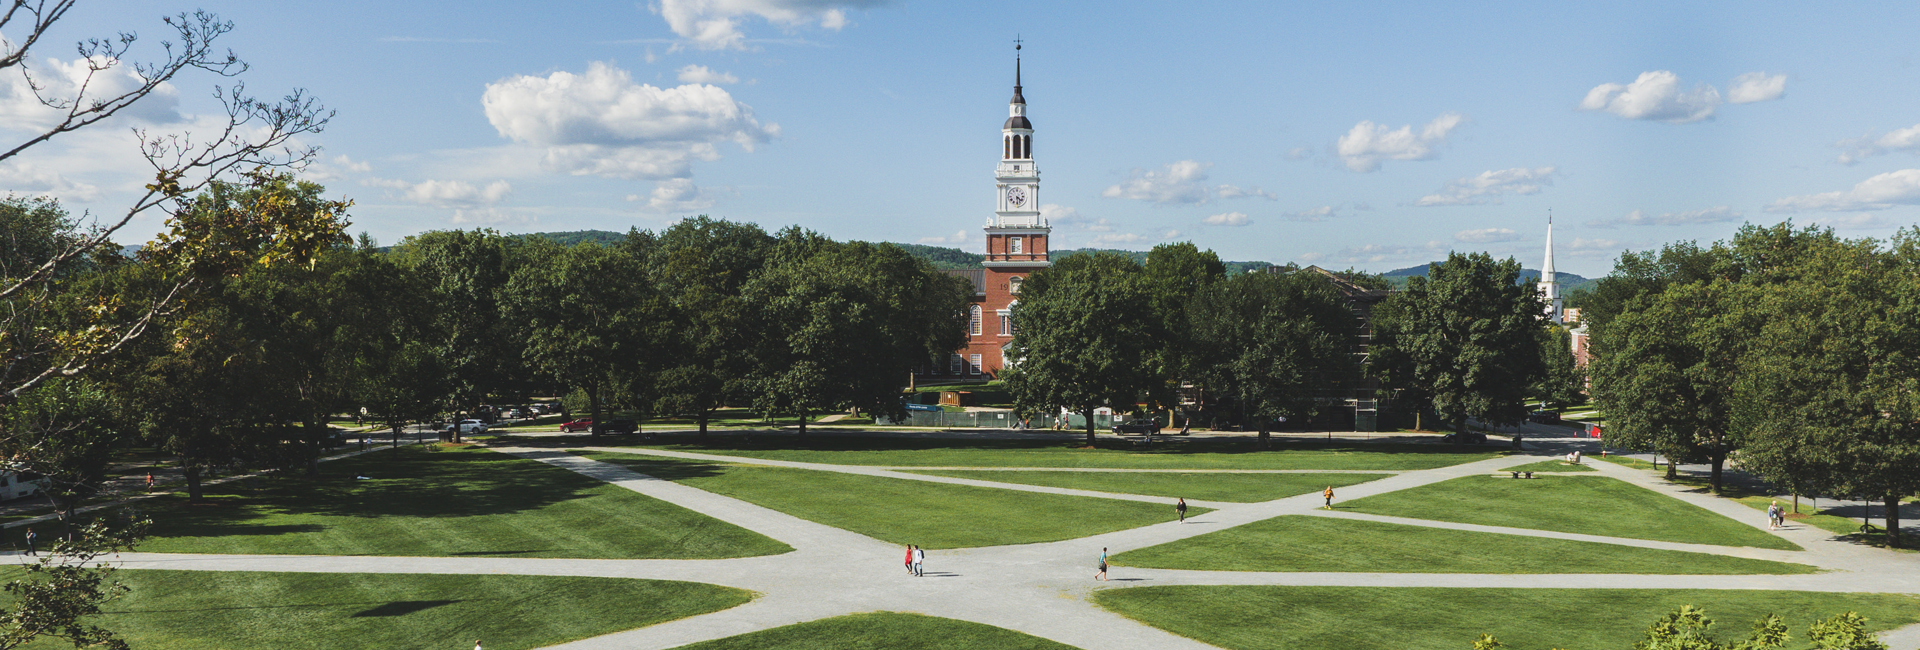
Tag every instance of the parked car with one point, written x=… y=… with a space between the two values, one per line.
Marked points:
x=542 y=409
x=620 y=426
x=582 y=424
x=1144 y=426
x=15 y=485
x=468 y=426
x=1464 y=438
x=1544 y=417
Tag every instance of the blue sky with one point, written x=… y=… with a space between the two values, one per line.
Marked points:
x=1342 y=134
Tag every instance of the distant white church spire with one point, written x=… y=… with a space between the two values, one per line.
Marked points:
x=1549 y=281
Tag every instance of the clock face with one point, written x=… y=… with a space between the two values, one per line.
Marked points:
x=1016 y=196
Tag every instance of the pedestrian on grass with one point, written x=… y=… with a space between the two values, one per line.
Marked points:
x=919 y=561
x=909 y=559
x=1181 y=508
x=30 y=539
x=1329 y=496
x=1102 y=575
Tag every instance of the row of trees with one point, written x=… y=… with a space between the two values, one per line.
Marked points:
x=1100 y=330
x=1791 y=350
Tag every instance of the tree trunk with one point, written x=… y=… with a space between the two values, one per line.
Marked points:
x=193 y=481
x=1796 y=503
x=1719 y=460
x=593 y=409
x=703 y=423
x=397 y=427
x=314 y=435
x=1893 y=521
x=1089 y=413
x=803 y=423
x=1671 y=472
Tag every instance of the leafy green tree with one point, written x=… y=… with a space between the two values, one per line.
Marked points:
x=466 y=273
x=1178 y=273
x=1461 y=340
x=702 y=265
x=1827 y=395
x=1087 y=336
x=69 y=584
x=396 y=375
x=66 y=430
x=1687 y=628
x=1666 y=378
x=258 y=137
x=589 y=317
x=1562 y=381
x=1271 y=342
x=842 y=325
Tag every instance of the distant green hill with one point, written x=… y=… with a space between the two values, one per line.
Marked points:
x=954 y=258
x=1568 y=281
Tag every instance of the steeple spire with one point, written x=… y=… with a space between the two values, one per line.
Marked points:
x=1017 y=99
x=1549 y=282
x=1546 y=270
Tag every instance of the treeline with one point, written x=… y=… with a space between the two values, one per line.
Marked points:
x=1794 y=352
x=1104 y=330
x=250 y=360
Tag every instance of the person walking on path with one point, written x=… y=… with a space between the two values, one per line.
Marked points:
x=149 y=482
x=1102 y=575
x=1181 y=508
x=30 y=539
x=909 y=559
x=1774 y=515
x=1329 y=495
x=919 y=561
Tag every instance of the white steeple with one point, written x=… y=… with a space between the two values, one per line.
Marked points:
x=1549 y=281
x=1017 y=177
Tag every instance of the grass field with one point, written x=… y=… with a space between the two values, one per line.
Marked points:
x=1590 y=505
x=1403 y=618
x=1121 y=454
x=1233 y=488
x=883 y=631
x=1550 y=466
x=195 y=610
x=456 y=502
x=1626 y=462
x=902 y=511
x=1308 y=543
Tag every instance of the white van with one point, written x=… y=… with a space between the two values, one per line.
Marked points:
x=14 y=485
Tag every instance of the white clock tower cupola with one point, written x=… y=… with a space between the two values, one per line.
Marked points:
x=1017 y=178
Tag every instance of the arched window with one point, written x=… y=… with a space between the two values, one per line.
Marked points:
x=973 y=322
x=1007 y=144
x=1026 y=146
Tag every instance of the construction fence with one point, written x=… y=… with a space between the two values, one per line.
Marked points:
x=992 y=420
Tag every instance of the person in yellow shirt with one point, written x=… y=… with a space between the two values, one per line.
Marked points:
x=1329 y=495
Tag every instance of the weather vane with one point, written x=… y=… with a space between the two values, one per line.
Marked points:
x=1016 y=41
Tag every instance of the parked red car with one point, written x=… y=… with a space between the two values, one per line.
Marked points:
x=582 y=424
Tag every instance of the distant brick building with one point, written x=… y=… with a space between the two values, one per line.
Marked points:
x=1016 y=247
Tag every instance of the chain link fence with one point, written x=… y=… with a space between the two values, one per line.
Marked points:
x=993 y=420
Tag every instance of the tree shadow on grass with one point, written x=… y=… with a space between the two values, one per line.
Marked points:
x=402 y=608
x=816 y=442
x=400 y=483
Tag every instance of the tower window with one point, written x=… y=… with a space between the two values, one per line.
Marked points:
x=973 y=321
x=1007 y=144
x=1014 y=245
x=1026 y=146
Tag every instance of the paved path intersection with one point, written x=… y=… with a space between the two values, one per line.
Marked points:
x=1042 y=589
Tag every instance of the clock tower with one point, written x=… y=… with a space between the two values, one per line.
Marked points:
x=1016 y=238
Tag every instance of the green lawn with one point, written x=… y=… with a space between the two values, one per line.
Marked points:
x=1108 y=453
x=1626 y=462
x=1550 y=466
x=192 y=610
x=1235 y=488
x=903 y=511
x=1592 y=505
x=882 y=631
x=1405 y=618
x=457 y=502
x=1308 y=543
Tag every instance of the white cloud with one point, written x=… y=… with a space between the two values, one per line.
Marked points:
x=1716 y=214
x=487 y=216
x=678 y=195
x=1907 y=140
x=1060 y=215
x=700 y=74
x=1856 y=222
x=959 y=237
x=1582 y=245
x=1169 y=234
x=1486 y=235
x=1227 y=219
x=602 y=123
x=446 y=194
x=1182 y=182
x=1654 y=95
x=1489 y=185
x=1364 y=146
x=68 y=81
x=1312 y=257
x=1120 y=238
x=715 y=24
x=1877 y=193
x=1756 y=87
x=35 y=180
x=1321 y=213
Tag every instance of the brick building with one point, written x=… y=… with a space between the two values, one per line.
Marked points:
x=1016 y=247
